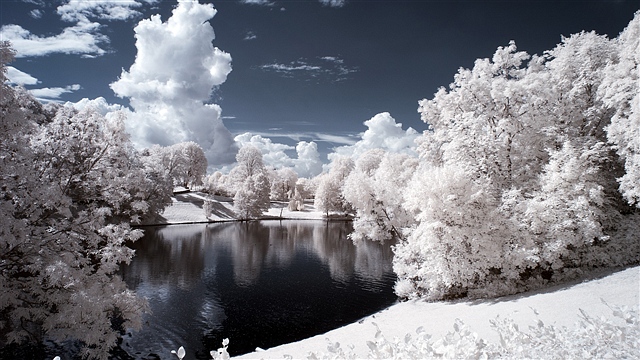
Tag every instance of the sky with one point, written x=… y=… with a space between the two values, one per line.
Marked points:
x=299 y=79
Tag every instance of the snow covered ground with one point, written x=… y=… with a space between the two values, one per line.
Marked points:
x=557 y=305
x=187 y=208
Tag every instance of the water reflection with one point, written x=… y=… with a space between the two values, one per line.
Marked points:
x=259 y=283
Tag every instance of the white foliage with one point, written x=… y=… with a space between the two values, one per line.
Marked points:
x=517 y=183
x=71 y=186
x=329 y=196
x=376 y=190
x=252 y=191
x=622 y=94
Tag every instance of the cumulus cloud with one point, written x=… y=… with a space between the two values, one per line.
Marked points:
x=328 y=68
x=383 y=133
x=18 y=77
x=170 y=82
x=53 y=93
x=82 y=38
x=307 y=164
x=99 y=104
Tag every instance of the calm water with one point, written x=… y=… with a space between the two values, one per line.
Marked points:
x=260 y=284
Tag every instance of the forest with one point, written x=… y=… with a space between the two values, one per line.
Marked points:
x=529 y=174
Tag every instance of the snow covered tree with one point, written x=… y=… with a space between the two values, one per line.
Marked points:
x=71 y=187
x=487 y=121
x=520 y=151
x=297 y=200
x=328 y=196
x=283 y=184
x=568 y=214
x=461 y=241
x=183 y=163
x=252 y=198
x=194 y=165
x=621 y=93
x=251 y=184
x=375 y=189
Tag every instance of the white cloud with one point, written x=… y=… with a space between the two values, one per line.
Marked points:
x=98 y=104
x=18 y=77
x=35 y=2
x=328 y=68
x=36 y=13
x=273 y=154
x=292 y=67
x=54 y=93
x=307 y=163
x=313 y=136
x=170 y=83
x=383 y=133
x=258 y=2
x=250 y=35
x=79 y=10
x=82 y=38
x=333 y=3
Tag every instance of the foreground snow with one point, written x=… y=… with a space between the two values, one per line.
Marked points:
x=557 y=306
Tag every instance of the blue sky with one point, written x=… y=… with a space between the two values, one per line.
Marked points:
x=299 y=70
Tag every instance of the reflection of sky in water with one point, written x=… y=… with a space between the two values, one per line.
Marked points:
x=258 y=283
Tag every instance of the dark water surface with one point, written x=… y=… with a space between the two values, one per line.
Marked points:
x=260 y=284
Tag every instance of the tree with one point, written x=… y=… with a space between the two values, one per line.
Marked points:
x=489 y=120
x=252 y=186
x=621 y=93
x=460 y=244
x=376 y=189
x=194 y=166
x=252 y=198
x=328 y=196
x=517 y=184
x=71 y=186
x=184 y=164
x=283 y=184
x=568 y=213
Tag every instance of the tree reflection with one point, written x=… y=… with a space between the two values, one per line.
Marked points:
x=175 y=255
x=170 y=255
x=206 y=281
